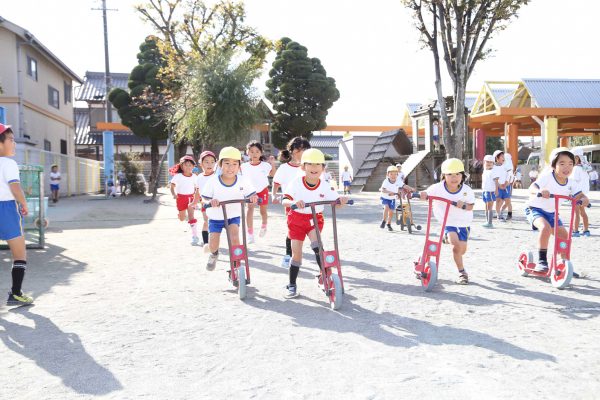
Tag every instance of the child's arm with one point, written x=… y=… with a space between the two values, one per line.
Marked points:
x=274 y=198
x=173 y=191
x=464 y=205
x=273 y=167
x=17 y=192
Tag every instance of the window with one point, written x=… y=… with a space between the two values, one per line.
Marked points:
x=47 y=145
x=32 y=69
x=63 y=146
x=53 y=97
x=68 y=88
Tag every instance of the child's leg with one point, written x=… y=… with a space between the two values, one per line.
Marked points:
x=490 y=212
x=263 y=215
x=545 y=231
x=296 y=261
x=584 y=217
x=576 y=220
x=499 y=203
x=388 y=210
x=213 y=241
x=205 y=228
x=250 y=219
x=19 y=255
x=182 y=215
x=192 y=221
x=458 y=250
x=234 y=234
x=314 y=244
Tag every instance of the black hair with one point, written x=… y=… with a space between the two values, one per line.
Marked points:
x=296 y=143
x=256 y=143
x=3 y=134
x=462 y=179
x=563 y=153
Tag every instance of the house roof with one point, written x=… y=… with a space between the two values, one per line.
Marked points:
x=94 y=85
x=28 y=37
x=564 y=93
x=82 y=127
x=325 y=141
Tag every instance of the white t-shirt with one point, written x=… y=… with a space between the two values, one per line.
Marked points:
x=581 y=178
x=500 y=172
x=392 y=187
x=285 y=174
x=9 y=173
x=533 y=173
x=201 y=180
x=548 y=181
x=593 y=175
x=346 y=176
x=241 y=188
x=258 y=174
x=299 y=190
x=487 y=180
x=326 y=176
x=518 y=176
x=54 y=178
x=184 y=184
x=457 y=217
x=401 y=178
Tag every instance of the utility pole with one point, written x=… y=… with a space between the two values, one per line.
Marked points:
x=107 y=108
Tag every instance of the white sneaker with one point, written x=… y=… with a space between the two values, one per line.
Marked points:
x=206 y=248
x=212 y=262
x=195 y=240
x=263 y=232
x=250 y=239
x=285 y=263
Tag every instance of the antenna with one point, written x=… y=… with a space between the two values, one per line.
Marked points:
x=108 y=112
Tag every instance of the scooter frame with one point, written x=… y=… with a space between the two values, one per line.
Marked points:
x=404 y=215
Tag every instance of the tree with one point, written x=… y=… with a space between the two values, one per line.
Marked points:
x=220 y=104
x=462 y=28
x=300 y=91
x=139 y=109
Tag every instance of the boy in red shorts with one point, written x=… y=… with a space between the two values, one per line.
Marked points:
x=306 y=189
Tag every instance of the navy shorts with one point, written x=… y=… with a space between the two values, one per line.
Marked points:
x=504 y=193
x=346 y=183
x=391 y=203
x=53 y=187
x=217 y=225
x=462 y=232
x=12 y=221
x=489 y=197
x=533 y=213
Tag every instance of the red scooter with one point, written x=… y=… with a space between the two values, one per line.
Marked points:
x=333 y=284
x=560 y=271
x=426 y=266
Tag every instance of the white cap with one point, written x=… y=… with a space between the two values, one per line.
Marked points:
x=497 y=153
x=577 y=152
x=488 y=157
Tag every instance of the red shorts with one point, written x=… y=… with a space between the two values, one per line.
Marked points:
x=184 y=201
x=264 y=196
x=299 y=225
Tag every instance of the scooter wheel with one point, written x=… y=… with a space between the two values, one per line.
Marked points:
x=241 y=274
x=409 y=224
x=562 y=274
x=525 y=259
x=418 y=227
x=335 y=292
x=429 y=276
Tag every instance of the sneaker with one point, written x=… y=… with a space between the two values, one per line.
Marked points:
x=235 y=283
x=576 y=275
x=382 y=225
x=463 y=279
x=263 y=231
x=390 y=228
x=508 y=217
x=576 y=234
x=501 y=219
x=587 y=233
x=212 y=262
x=541 y=266
x=488 y=225
x=195 y=240
x=18 y=299
x=250 y=239
x=285 y=263
x=206 y=248
x=291 y=291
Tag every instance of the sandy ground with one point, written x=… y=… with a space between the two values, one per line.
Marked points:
x=126 y=310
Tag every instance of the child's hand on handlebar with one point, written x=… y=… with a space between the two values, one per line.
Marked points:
x=584 y=201
x=253 y=199
x=423 y=195
x=545 y=193
x=343 y=200
x=300 y=204
x=275 y=199
x=460 y=203
x=214 y=203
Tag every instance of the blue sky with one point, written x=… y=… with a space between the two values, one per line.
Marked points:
x=370 y=48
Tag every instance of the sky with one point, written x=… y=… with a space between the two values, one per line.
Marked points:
x=371 y=49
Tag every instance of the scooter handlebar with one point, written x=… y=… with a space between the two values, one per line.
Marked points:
x=224 y=203
x=552 y=196
x=322 y=203
x=417 y=195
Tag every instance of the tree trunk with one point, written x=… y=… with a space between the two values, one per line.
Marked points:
x=180 y=150
x=154 y=184
x=154 y=178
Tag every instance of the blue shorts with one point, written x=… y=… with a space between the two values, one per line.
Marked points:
x=217 y=225
x=391 y=203
x=489 y=197
x=346 y=183
x=12 y=221
x=533 y=213
x=53 y=187
x=504 y=193
x=463 y=232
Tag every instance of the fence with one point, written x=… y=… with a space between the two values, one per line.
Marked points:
x=78 y=175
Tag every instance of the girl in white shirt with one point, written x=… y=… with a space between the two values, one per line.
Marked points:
x=581 y=177
x=184 y=191
x=207 y=161
x=258 y=171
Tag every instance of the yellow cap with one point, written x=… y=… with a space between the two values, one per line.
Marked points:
x=452 y=166
x=392 y=168
x=229 y=152
x=313 y=156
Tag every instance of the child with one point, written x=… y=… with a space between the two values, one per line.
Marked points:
x=390 y=188
x=12 y=207
x=346 y=180
x=518 y=179
x=258 y=172
x=306 y=189
x=593 y=179
x=582 y=181
x=510 y=178
x=540 y=210
x=54 y=182
x=436 y=134
x=112 y=188
x=488 y=186
x=533 y=174
x=453 y=188
x=184 y=183
x=400 y=173
x=207 y=161
x=500 y=172
x=122 y=177
x=286 y=173
x=228 y=186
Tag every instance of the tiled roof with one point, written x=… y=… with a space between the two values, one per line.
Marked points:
x=564 y=93
x=82 y=127
x=325 y=141
x=94 y=85
x=412 y=107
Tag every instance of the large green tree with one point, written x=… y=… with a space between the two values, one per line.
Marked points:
x=300 y=91
x=457 y=32
x=139 y=107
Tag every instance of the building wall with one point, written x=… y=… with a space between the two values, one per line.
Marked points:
x=8 y=66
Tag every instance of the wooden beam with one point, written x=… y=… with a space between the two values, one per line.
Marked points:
x=553 y=112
